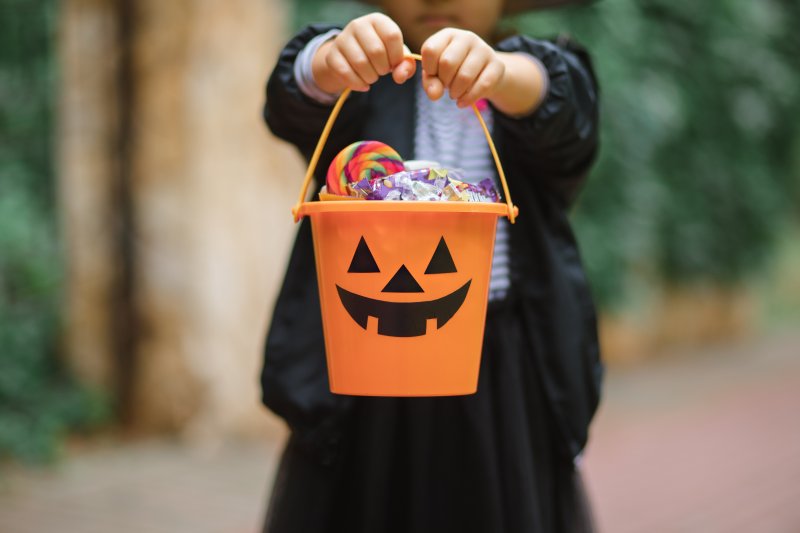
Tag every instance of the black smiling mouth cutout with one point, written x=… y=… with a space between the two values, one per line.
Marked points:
x=402 y=319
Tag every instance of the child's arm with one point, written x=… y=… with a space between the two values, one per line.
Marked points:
x=364 y=49
x=560 y=138
x=546 y=96
x=368 y=47
x=297 y=118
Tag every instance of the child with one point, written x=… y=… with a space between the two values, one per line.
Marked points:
x=504 y=459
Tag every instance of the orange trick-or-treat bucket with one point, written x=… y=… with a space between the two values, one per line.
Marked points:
x=403 y=287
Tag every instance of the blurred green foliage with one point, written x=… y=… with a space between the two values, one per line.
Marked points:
x=699 y=170
x=38 y=401
x=697 y=176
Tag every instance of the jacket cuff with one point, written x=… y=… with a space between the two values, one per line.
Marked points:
x=549 y=57
x=282 y=82
x=303 y=75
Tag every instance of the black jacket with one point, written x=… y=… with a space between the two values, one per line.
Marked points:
x=546 y=157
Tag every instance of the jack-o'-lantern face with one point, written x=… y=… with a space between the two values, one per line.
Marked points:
x=402 y=319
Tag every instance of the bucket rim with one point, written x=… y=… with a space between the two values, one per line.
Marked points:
x=405 y=206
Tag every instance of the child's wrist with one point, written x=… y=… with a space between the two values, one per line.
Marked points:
x=523 y=86
x=303 y=66
x=323 y=76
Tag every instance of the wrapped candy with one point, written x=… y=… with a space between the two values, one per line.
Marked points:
x=425 y=185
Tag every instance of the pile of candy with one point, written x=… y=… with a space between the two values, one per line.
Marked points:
x=426 y=184
x=369 y=170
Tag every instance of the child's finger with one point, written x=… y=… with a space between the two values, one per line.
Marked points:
x=391 y=36
x=467 y=75
x=483 y=86
x=339 y=64
x=431 y=50
x=406 y=68
x=433 y=86
x=357 y=58
x=374 y=48
x=450 y=61
x=404 y=71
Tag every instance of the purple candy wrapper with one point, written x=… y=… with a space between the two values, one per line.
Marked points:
x=436 y=185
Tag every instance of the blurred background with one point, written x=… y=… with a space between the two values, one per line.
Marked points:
x=144 y=229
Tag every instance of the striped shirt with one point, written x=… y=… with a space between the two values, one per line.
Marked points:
x=454 y=138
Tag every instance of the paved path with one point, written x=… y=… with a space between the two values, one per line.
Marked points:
x=708 y=442
x=144 y=487
x=701 y=442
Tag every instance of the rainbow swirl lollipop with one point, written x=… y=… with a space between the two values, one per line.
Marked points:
x=360 y=160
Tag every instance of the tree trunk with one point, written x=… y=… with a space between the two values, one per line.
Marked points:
x=88 y=136
x=209 y=197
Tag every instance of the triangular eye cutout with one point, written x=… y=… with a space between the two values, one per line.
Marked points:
x=363 y=262
x=442 y=261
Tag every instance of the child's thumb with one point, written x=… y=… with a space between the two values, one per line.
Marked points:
x=433 y=86
x=406 y=69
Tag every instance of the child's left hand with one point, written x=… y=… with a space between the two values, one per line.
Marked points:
x=461 y=62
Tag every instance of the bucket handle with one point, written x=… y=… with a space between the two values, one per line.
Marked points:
x=312 y=165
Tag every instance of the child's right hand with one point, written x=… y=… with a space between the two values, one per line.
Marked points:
x=368 y=47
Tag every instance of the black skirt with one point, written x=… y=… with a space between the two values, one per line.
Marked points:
x=484 y=463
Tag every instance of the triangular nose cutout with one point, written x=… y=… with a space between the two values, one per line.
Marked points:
x=402 y=281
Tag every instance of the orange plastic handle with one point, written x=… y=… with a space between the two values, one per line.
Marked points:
x=312 y=165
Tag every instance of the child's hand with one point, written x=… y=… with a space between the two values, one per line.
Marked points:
x=368 y=47
x=462 y=63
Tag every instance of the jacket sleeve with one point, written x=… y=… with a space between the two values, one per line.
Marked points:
x=296 y=118
x=560 y=138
